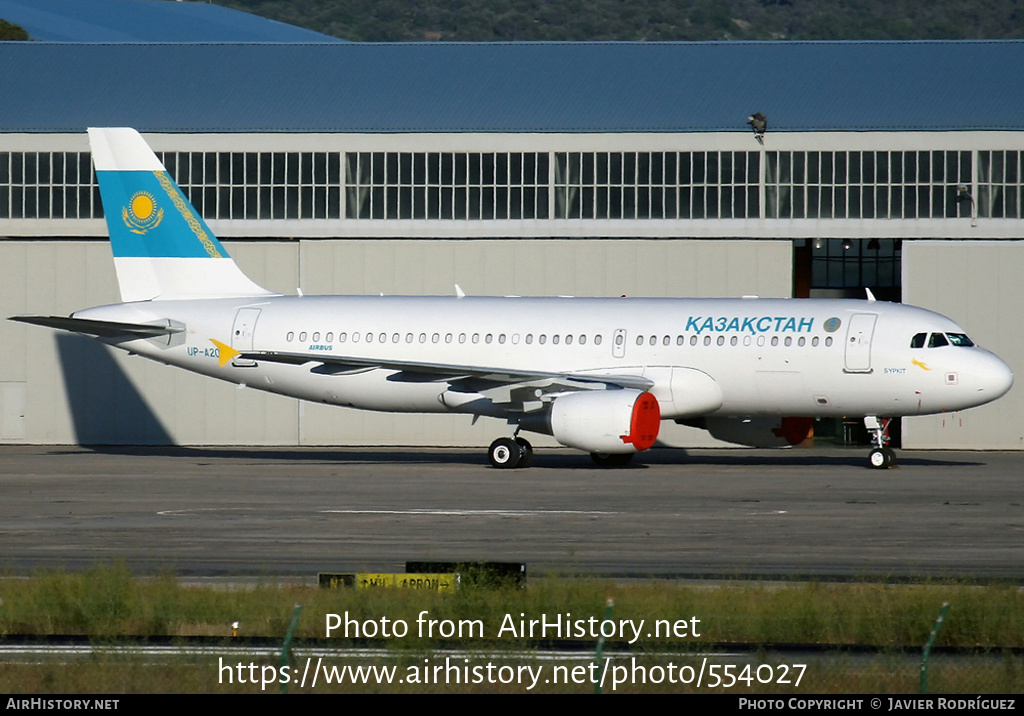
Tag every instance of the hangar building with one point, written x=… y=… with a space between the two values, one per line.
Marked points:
x=589 y=169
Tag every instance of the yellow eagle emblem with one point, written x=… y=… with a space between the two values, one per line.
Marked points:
x=142 y=213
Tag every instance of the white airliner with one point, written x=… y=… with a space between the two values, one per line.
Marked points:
x=597 y=374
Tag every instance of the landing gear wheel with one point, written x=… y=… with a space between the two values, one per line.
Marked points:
x=614 y=460
x=526 y=452
x=891 y=454
x=505 y=453
x=881 y=458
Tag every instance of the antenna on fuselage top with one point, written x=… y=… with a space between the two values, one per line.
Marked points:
x=871 y=296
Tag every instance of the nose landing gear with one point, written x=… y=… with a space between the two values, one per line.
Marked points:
x=881 y=456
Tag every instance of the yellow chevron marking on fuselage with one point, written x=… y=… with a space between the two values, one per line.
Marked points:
x=226 y=352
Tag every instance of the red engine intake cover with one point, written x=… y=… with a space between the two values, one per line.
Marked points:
x=646 y=421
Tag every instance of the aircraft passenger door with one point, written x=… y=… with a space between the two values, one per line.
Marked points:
x=244 y=329
x=619 y=343
x=858 y=342
x=242 y=334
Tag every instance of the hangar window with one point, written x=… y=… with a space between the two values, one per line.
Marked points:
x=657 y=185
x=866 y=184
x=48 y=185
x=259 y=185
x=1000 y=185
x=448 y=185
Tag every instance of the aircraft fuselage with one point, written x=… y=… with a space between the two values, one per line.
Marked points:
x=801 y=357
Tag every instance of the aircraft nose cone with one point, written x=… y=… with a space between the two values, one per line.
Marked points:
x=997 y=378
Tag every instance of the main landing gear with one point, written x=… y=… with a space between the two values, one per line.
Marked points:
x=509 y=453
x=881 y=456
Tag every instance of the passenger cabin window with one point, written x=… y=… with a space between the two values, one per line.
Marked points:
x=918 y=340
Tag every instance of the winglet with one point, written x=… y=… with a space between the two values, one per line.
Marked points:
x=459 y=292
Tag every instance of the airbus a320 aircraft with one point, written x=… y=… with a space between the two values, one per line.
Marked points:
x=598 y=374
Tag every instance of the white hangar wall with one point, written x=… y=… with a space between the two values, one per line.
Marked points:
x=979 y=285
x=63 y=389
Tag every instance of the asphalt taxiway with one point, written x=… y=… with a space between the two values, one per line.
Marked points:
x=698 y=514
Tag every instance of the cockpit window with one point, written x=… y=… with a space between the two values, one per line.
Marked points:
x=918 y=340
x=960 y=339
x=937 y=340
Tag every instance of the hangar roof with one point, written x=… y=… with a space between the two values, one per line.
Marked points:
x=515 y=87
x=147 y=21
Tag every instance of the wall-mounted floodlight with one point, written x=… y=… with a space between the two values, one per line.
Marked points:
x=963 y=193
x=759 y=123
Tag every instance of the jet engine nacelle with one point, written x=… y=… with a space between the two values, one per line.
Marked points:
x=761 y=431
x=606 y=421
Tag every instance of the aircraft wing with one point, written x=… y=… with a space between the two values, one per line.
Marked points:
x=106 y=329
x=464 y=378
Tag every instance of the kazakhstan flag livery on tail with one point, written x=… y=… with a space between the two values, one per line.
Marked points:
x=162 y=247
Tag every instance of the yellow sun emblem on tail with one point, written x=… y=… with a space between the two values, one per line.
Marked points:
x=142 y=214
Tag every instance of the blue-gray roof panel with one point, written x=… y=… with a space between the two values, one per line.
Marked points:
x=520 y=87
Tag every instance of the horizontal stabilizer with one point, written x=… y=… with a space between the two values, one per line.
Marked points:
x=107 y=329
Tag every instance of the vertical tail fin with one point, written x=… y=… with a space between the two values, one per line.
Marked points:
x=162 y=247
